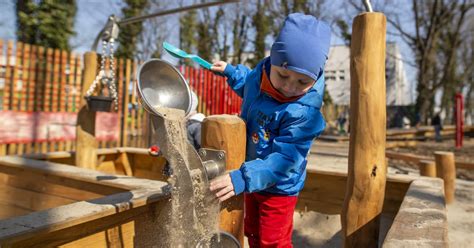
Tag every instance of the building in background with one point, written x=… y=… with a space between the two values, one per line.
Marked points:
x=338 y=81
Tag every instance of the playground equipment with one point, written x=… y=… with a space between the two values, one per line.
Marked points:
x=164 y=93
x=145 y=210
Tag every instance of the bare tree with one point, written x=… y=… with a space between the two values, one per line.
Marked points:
x=435 y=22
x=155 y=31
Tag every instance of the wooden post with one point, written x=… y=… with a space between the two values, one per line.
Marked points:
x=86 y=144
x=367 y=166
x=227 y=132
x=427 y=168
x=446 y=170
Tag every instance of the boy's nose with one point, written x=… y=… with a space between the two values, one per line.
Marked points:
x=288 y=88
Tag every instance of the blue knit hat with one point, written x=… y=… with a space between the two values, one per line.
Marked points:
x=302 y=45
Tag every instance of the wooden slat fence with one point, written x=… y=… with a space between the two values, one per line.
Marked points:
x=35 y=80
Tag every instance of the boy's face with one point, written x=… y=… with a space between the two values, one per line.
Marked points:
x=290 y=83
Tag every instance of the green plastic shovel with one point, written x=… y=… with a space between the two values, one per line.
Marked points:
x=178 y=53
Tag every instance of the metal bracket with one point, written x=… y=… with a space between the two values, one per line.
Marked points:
x=213 y=162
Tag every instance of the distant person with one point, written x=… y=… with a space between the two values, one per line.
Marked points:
x=436 y=123
x=194 y=123
x=341 y=121
x=406 y=122
x=417 y=120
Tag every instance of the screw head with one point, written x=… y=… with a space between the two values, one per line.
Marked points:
x=220 y=155
x=202 y=152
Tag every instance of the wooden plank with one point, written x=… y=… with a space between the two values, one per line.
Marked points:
x=141 y=173
x=63 y=88
x=32 y=78
x=10 y=211
x=86 y=143
x=68 y=223
x=12 y=147
x=47 y=87
x=40 y=82
x=7 y=90
x=227 y=133
x=78 y=83
x=32 y=184
x=125 y=126
x=120 y=108
x=55 y=83
x=30 y=200
x=72 y=176
x=423 y=204
x=134 y=111
x=123 y=163
x=367 y=170
x=120 y=236
x=6 y=87
x=71 y=94
x=16 y=76
x=36 y=169
x=109 y=167
x=415 y=159
x=324 y=192
x=25 y=71
x=446 y=170
x=3 y=149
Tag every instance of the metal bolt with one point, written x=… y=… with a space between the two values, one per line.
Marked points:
x=220 y=155
x=202 y=152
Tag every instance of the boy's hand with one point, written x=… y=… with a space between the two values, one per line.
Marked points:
x=223 y=186
x=219 y=66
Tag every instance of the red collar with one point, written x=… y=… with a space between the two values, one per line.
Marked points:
x=267 y=87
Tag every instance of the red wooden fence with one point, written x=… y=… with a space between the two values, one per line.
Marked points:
x=35 y=80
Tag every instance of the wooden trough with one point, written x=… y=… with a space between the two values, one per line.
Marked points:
x=52 y=204
x=49 y=203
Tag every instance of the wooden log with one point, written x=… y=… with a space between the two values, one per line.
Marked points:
x=227 y=132
x=427 y=168
x=446 y=170
x=86 y=143
x=367 y=166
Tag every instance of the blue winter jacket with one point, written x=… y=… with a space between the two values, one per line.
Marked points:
x=279 y=135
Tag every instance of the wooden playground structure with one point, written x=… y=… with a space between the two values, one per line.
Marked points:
x=119 y=197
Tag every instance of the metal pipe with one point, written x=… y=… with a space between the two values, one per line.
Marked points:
x=367 y=5
x=172 y=11
x=161 y=13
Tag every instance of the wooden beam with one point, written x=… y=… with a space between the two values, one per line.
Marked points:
x=123 y=163
x=227 y=132
x=446 y=170
x=415 y=159
x=427 y=168
x=71 y=176
x=67 y=223
x=367 y=166
x=86 y=143
x=324 y=192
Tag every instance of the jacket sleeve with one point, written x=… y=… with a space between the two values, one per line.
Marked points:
x=236 y=76
x=289 y=151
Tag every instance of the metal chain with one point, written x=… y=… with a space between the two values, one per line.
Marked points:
x=112 y=86
x=102 y=77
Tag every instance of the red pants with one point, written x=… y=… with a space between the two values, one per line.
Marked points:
x=269 y=220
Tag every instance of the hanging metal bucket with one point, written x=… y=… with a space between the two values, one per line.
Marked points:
x=99 y=103
x=160 y=84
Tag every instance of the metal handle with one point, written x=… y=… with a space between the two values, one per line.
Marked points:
x=367 y=5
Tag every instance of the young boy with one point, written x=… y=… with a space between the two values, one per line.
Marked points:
x=282 y=97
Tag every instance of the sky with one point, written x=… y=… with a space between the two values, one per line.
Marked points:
x=92 y=16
